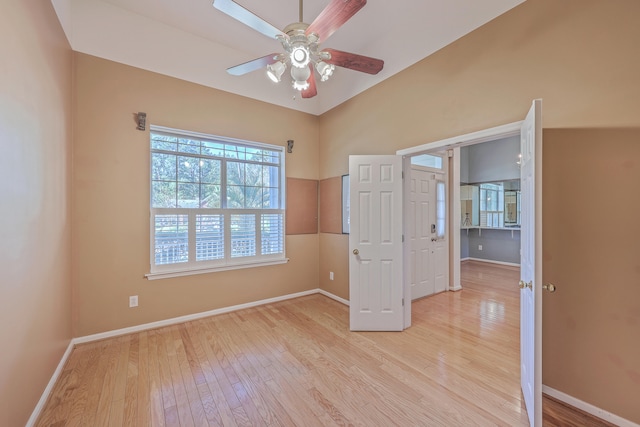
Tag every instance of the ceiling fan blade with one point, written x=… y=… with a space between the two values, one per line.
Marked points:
x=311 y=91
x=248 y=18
x=333 y=17
x=253 y=65
x=355 y=62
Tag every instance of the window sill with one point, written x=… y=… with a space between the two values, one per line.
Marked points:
x=178 y=273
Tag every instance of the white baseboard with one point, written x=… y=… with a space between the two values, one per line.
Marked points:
x=334 y=297
x=47 y=391
x=588 y=408
x=511 y=264
x=187 y=318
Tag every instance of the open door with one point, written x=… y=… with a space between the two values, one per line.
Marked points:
x=375 y=244
x=531 y=264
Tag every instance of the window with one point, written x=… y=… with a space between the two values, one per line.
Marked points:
x=216 y=203
x=441 y=209
x=491 y=205
x=427 y=160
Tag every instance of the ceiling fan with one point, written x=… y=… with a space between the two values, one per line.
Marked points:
x=301 y=45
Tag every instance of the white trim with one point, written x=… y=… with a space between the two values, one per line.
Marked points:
x=334 y=297
x=168 y=274
x=454 y=224
x=510 y=264
x=188 y=317
x=214 y=138
x=406 y=245
x=52 y=382
x=485 y=135
x=588 y=408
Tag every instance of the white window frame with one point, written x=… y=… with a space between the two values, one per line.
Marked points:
x=490 y=218
x=192 y=266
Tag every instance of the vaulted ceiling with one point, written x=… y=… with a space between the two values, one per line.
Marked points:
x=193 y=41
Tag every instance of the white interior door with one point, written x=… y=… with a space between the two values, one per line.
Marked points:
x=375 y=244
x=531 y=264
x=428 y=249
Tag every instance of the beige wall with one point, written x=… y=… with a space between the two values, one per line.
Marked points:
x=111 y=200
x=591 y=231
x=35 y=236
x=580 y=57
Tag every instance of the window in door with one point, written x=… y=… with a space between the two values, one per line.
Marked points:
x=441 y=210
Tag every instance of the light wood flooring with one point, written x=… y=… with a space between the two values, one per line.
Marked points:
x=295 y=363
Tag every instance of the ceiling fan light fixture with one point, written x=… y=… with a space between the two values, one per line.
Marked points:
x=300 y=85
x=300 y=42
x=300 y=56
x=325 y=70
x=275 y=71
x=300 y=77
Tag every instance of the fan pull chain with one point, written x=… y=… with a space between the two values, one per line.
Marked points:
x=300 y=9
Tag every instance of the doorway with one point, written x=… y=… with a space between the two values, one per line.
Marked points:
x=452 y=147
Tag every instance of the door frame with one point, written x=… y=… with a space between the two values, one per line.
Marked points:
x=454 y=144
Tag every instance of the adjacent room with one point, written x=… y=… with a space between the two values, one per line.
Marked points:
x=175 y=240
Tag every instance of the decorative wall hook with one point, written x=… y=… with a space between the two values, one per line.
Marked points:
x=142 y=121
x=290 y=146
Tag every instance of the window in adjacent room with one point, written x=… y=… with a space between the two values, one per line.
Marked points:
x=492 y=205
x=216 y=203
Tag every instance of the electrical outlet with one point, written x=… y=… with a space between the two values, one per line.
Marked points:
x=479 y=247
x=331 y=275
x=133 y=301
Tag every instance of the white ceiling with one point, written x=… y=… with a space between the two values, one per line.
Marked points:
x=193 y=41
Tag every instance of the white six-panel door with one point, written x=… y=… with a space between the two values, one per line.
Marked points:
x=375 y=244
x=530 y=265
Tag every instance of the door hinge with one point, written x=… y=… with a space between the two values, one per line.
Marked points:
x=403 y=302
x=402 y=174
x=403 y=238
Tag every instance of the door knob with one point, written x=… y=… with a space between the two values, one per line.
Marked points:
x=549 y=287
x=522 y=284
x=356 y=252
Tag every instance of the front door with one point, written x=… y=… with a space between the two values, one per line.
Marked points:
x=531 y=264
x=375 y=244
x=428 y=249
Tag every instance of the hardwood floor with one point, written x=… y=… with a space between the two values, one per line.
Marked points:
x=296 y=363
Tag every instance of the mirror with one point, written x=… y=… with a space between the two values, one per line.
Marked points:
x=511 y=208
x=469 y=199
x=490 y=204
